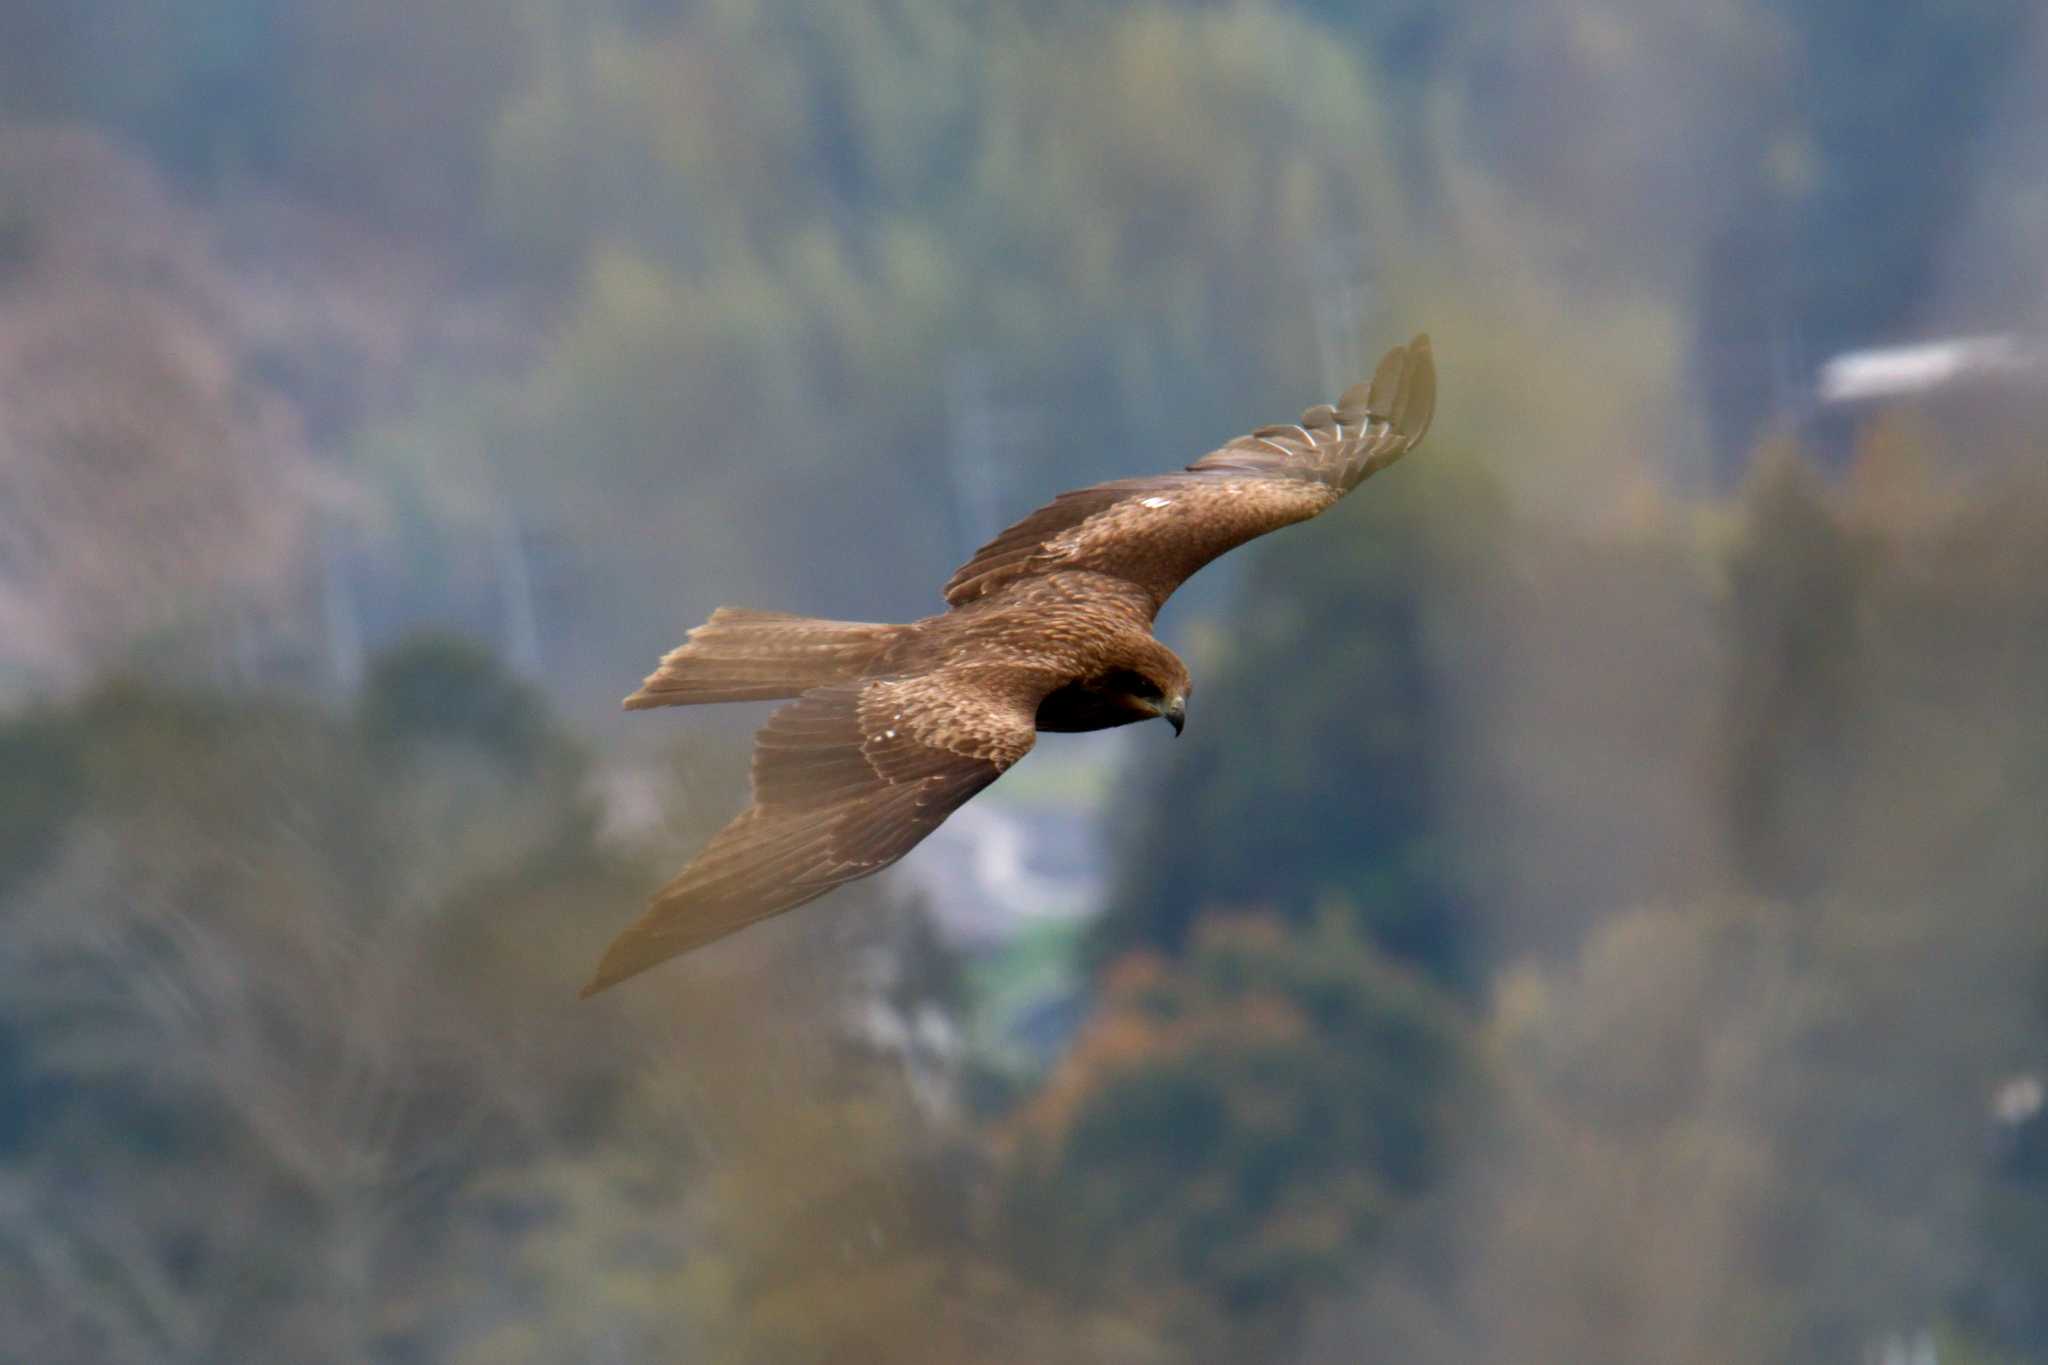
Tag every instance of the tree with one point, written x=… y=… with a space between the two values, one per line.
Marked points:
x=1793 y=620
x=145 y=481
x=258 y=1027
x=1233 y=1128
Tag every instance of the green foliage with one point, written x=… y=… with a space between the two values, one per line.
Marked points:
x=259 y=987
x=1764 y=1129
x=1957 y=1347
x=1233 y=1128
x=450 y=691
x=1794 y=616
x=1844 y=213
x=385 y=108
x=743 y=339
x=41 y=788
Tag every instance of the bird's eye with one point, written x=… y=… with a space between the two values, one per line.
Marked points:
x=1132 y=684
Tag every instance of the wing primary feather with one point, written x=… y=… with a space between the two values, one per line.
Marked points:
x=834 y=800
x=1259 y=482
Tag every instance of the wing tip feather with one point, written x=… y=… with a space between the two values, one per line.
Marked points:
x=1402 y=389
x=611 y=970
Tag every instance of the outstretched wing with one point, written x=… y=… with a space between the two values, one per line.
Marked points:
x=1157 y=531
x=847 y=779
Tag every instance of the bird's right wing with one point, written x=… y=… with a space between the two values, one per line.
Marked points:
x=1155 y=532
x=847 y=779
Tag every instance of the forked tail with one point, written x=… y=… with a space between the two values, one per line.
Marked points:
x=741 y=655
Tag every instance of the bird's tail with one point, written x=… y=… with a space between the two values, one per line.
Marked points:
x=741 y=655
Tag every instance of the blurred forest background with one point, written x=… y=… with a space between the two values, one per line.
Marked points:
x=1597 y=911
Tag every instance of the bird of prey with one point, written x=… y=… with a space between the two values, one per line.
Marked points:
x=1048 y=627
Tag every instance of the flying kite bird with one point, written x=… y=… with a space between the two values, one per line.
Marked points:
x=1048 y=627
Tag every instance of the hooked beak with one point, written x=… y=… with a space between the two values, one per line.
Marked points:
x=1176 y=714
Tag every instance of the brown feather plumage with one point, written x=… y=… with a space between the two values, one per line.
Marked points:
x=1049 y=626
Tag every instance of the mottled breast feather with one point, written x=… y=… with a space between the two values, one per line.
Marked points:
x=1155 y=532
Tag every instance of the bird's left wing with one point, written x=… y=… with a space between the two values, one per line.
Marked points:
x=847 y=779
x=1155 y=532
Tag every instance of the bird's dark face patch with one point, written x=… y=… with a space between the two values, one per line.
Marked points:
x=1124 y=682
x=1120 y=696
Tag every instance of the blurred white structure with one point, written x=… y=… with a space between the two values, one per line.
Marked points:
x=2018 y=1100
x=994 y=868
x=1928 y=367
x=1916 y=1348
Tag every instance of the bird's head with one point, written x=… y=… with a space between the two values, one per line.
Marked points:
x=1152 y=683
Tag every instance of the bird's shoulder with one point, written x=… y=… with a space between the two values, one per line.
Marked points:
x=1039 y=632
x=982 y=713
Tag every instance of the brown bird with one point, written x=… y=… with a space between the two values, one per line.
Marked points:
x=1049 y=627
